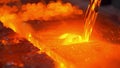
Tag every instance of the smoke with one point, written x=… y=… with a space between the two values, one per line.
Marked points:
x=45 y=12
x=41 y=11
x=15 y=18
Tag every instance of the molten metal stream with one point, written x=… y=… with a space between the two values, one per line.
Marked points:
x=90 y=17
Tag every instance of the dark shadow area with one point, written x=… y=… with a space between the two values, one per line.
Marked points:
x=17 y=52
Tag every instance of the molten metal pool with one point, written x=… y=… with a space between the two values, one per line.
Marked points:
x=58 y=30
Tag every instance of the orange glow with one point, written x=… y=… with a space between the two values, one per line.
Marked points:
x=71 y=49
